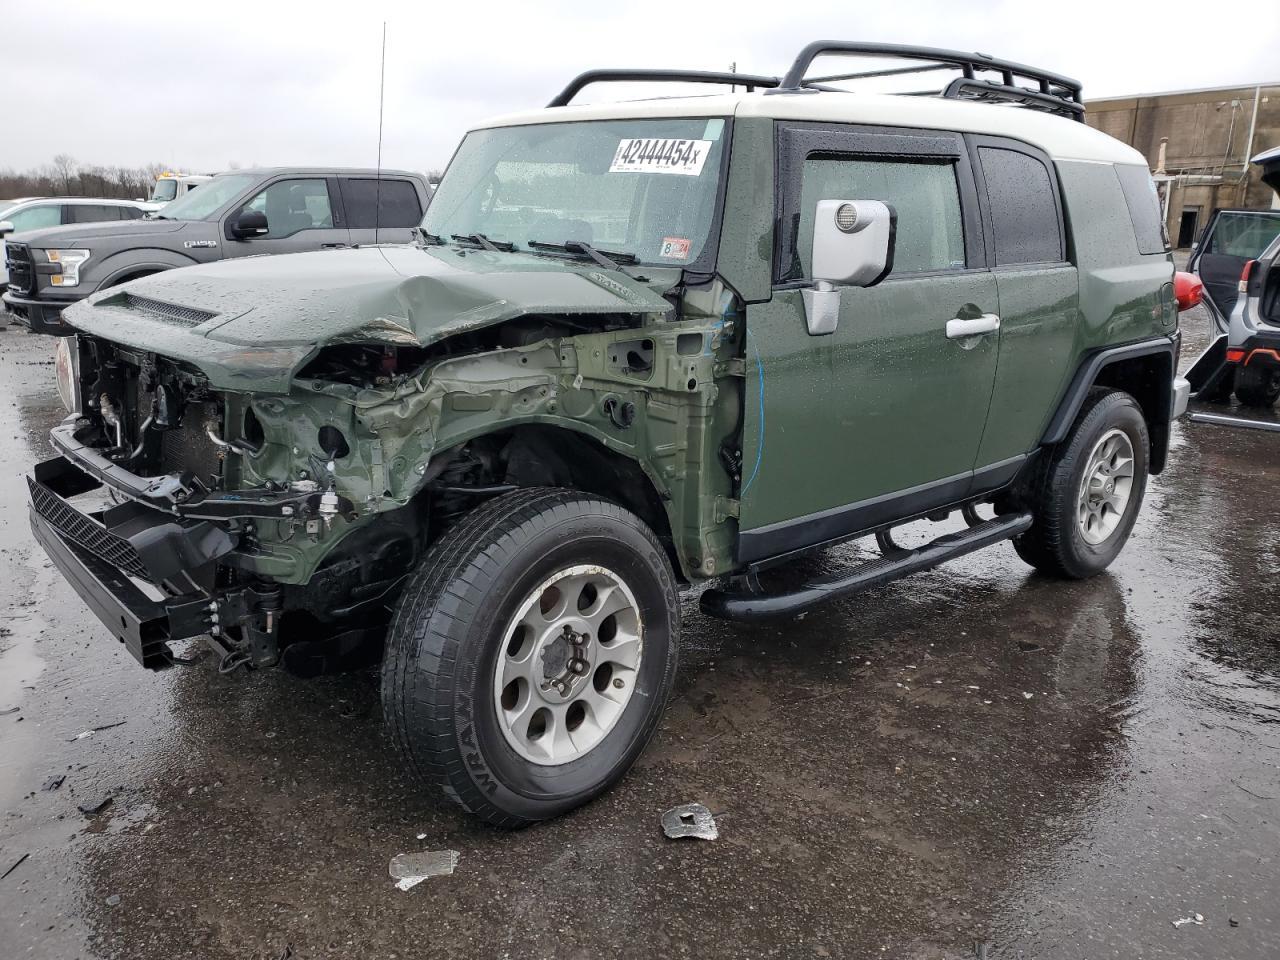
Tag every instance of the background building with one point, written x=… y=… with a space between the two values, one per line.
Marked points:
x=1198 y=143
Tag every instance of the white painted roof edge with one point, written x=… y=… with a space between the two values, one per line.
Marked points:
x=1059 y=137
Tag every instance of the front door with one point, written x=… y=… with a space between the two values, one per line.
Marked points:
x=300 y=217
x=1232 y=239
x=882 y=418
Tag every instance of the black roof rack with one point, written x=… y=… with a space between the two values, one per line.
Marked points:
x=1051 y=92
x=582 y=80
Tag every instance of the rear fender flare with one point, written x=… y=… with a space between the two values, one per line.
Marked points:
x=1156 y=358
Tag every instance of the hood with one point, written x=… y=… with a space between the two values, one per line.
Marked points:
x=275 y=311
x=75 y=233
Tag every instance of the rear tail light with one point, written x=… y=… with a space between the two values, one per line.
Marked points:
x=1187 y=290
x=1244 y=275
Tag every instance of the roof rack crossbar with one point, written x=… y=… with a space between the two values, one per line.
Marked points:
x=923 y=68
x=1053 y=92
x=582 y=80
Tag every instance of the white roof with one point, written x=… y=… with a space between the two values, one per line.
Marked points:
x=1057 y=136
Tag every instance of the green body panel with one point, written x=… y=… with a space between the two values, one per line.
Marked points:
x=1039 y=314
x=1119 y=287
x=746 y=234
x=885 y=403
x=686 y=406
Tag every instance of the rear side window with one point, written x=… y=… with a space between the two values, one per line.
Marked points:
x=91 y=213
x=1024 y=209
x=398 y=201
x=930 y=235
x=1144 y=208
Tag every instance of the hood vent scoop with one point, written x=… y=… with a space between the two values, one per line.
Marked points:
x=171 y=312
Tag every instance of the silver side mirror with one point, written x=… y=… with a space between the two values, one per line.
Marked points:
x=852 y=245
x=6 y=227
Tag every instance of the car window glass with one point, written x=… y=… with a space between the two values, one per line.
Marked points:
x=33 y=218
x=165 y=189
x=293 y=205
x=924 y=194
x=91 y=212
x=362 y=198
x=1144 y=208
x=1024 y=212
x=1243 y=234
x=203 y=203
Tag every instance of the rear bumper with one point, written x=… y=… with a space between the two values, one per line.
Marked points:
x=1181 y=396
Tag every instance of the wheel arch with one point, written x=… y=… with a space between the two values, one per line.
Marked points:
x=569 y=456
x=1144 y=370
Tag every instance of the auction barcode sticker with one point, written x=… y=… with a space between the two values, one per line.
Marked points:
x=660 y=155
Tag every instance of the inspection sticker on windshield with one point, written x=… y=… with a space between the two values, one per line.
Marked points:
x=660 y=155
x=674 y=248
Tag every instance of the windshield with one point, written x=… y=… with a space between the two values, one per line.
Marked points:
x=199 y=204
x=1239 y=234
x=642 y=187
x=165 y=189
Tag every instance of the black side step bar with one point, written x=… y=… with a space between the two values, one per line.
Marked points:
x=747 y=605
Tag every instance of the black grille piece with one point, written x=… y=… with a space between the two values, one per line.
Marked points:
x=22 y=276
x=183 y=316
x=86 y=532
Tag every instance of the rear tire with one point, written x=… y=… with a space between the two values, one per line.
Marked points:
x=1258 y=385
x=504 y=683
x=1087 y=494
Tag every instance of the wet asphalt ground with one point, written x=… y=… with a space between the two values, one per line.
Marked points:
x=974 y=762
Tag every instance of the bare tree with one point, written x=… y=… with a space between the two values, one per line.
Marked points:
x=64 y=166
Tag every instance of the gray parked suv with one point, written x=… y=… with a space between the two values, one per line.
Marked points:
x=238 y=214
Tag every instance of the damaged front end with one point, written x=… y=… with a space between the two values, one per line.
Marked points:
x=272 y=495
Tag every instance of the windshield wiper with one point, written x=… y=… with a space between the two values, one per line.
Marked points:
x=431 y=238
x=480 y=240
x=607 y=259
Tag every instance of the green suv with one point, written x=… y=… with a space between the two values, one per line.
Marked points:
x=638 y=346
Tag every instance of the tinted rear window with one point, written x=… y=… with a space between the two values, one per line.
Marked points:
x=399 y=202
x=91 y=213
x=1144 y=209
x=1024 y=210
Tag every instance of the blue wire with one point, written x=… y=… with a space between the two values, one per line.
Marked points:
x=760 y=442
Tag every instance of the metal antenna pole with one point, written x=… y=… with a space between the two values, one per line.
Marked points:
x=382 y=86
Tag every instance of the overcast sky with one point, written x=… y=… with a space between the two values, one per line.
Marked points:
x=205 y=85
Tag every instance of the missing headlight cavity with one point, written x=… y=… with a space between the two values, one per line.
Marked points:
x=689 y=344
x=333 y=443
x=632 y=357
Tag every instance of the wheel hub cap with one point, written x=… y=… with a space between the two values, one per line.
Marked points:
x=1106 y=487
x=567 y=666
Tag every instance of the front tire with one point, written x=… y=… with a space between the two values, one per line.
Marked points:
x=531 y=654
x=1258 y=385
x=1087 y=495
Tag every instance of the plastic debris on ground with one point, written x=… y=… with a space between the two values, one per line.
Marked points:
x=93 y=809
x=410 y=869
x=54 y=782
x=690 y=820
x=1196 y=918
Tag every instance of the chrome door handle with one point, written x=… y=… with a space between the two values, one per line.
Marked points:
x=958 y=329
